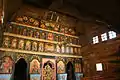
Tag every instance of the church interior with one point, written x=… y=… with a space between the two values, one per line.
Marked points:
x=59 y=40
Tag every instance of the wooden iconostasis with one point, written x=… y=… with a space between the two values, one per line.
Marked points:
x=31 y=34
x=26 y=34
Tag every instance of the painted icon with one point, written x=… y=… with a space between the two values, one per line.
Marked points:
x=25 y=19
x=21 y=44
x=31 y=33
x=60 y=67
x=28 y=45
x=41 y=46
x=37 y=34
x=34 y=66
x=14 y=43
x=58 y=49
x=56 y=37
x=50 y=36
x=43 y=35
x=49 y=47
x=56 y=28
x=71 y=50
x=34 y=46
x=67 y=49
x=48 y=72
x=6 y=65
x=36 y=23
x=6 y=42
x=24 y=32
x=19 y=19
x=66 y=30
x=62 y=30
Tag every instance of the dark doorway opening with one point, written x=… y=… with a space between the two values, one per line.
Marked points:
x=70 y=72
x=20 y=72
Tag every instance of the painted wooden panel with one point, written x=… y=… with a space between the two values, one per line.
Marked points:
x=60 y=67
x=48 y=69
x=6 y=65
x=35 y=66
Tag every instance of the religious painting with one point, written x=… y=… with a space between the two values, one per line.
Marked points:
x=63 y=49
x=49 y=26
x=34 y=33
x=31 y=33
x=5 y=76
x=14 y=43
x=43 y=25
x=77 y=67
x=60 y=67
x=37 y=34
x=61 y=38
x=66 y=39
x=71 y=50
x=56 y=28
x=6 y=65
x=25 y=19
x=58 y=49
x=28 y=45
x=48 y=72
x=70 y=40
x=6 y=42
x=17 y=30
x=66 y=30
x=41 y=46
x=48 y=69
x=49 y=47
x=19 y=19
x=35 y=76
x=75 y=50
x=52 y=25
x=21 y=30
x=50 y=36
x=34 y=46
x=62 y=30
x=24 y=32
x=56 y=37
x=31 y=20
x=21 y=44
x=36 y=23
x=34 y=66
x=42 y=35
x=67 y=49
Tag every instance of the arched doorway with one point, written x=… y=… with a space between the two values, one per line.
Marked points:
x=20 y=72
x=70 y=72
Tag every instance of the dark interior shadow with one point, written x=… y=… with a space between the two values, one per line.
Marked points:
x=70 y=72
x=20 y=72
